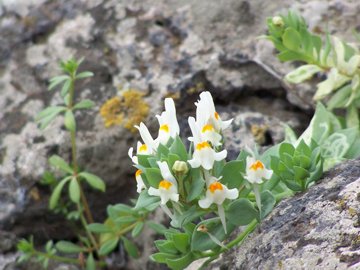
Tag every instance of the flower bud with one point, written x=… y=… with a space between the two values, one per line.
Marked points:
x=278 y=21
x=180 y=167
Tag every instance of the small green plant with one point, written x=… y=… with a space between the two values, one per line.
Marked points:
x=338 y=60
x=205 y=196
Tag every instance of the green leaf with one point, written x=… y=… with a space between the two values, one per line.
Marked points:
x=300 y=173
x=268 y=202
x=153 y=175
x=74 y=190
x=197 y=185
x=179 y=148
x=49 y=111
x=69 y=247
x=162 y=150
x=125 y=219
x=84 y=74
x=232 y=174
x=144 y=200
x=90 y=262
x=181 y=241
x=57 y=80
x=241 y=212
x=166 y=246
x=137 y=229
x=65 y=88
x=54 y=199
x=69 y=121
x=180 y=263
x=157 y=227
x=84 y=104
x=60 y=163
x=130 y=248
x=161 y=257
x=201 y=241
x=94 y=181
x=99 y=228
x=291 y=39
x=302 y=73
x=108 y=246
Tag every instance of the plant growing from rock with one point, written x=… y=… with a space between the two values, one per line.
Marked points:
x=338 y=60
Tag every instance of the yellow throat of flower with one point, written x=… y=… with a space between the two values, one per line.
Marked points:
x=207 y=127
x=143 y=148
x=202 y=145
x=215 y=186
x=217 y=116
x=138 y=172
x=164 y=184
x=164 y=128
x=257 y=165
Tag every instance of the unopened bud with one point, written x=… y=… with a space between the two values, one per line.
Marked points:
x=180 y=167
x=202 y=228
x=278 y=21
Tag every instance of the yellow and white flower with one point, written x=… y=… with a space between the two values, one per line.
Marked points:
x=139 y=181
x=141 y=149
x=169 y=127
x=255 y=174
x=204 y=155
x=256 y=171
x=217 y=193
x=151 y=144
x=207 y=115
x=167 y=189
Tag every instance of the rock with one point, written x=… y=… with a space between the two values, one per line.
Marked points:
x=161 y=48
x=319 y=229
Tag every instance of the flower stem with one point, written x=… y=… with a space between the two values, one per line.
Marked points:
x=251 y=227
x=85 y=225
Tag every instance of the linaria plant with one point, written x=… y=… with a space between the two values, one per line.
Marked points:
x=205 y=196
x=338 y=60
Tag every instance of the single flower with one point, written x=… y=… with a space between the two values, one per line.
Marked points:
x=206 y=113
x=142 y=149
x=167 y=189
x=204 y=155
x=256 y=171
x=255 y=174
x=169 y=127
x=217 y=193
x=151 y=144
x=139 y=181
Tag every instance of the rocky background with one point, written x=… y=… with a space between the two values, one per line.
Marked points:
x=165 y=48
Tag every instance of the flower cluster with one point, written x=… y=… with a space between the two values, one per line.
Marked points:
x=165 y=173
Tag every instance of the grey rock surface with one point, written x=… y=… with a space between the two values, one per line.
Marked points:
x=319 y=229
x=162 y=48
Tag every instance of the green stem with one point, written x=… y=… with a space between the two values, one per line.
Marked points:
x=63 y=259
x=251 y=227
x=126 y=229
x=283 y=195
x=85 y=225
x=84 y=201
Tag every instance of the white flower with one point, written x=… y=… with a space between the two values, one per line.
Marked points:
x=142 y=149
x=204 y=155
x=206 y=113
x=217 y=193
x=139 y=181
x=151 y=144
x=169 y=127
x=256 y=171
x=167 y=189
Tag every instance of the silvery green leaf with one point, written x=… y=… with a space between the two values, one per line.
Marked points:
x=302 y=73
x=333 y=82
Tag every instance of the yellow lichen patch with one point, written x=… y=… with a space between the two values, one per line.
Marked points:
x=215 y=186
x=127 y=110
x=257 y=165
x=165 y=184
x=259 y=133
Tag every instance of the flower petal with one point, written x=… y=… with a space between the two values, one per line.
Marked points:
x=205 y=203
x=165 y=172
x=221 y=155
x=153 y=192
